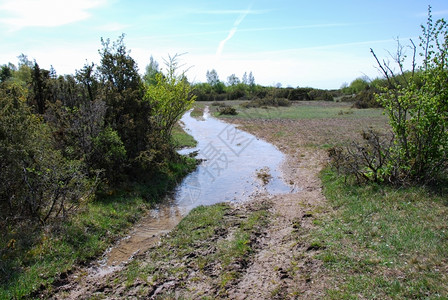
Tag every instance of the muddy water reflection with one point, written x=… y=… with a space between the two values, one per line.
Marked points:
x=232 y=161
x=146 y=232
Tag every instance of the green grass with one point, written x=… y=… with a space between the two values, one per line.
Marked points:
x=209 y=237
x=383 y=242
x=198 y=110
x=33 y=256
x=77 y=240
x=181 y=139
x=309 y=111
x=199 y=225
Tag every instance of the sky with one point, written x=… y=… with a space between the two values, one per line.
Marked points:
x=320 y=44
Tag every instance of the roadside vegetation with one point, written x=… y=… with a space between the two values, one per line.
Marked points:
x=82 y=157
x=383 y=242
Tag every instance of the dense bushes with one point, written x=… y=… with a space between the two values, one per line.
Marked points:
x=36 y=180
x=267 y=102
x=366 y=99
x=299 y=94
x=227 y=110
x=59 y=135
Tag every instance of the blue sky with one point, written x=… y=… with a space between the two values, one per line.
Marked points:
x=320 y=44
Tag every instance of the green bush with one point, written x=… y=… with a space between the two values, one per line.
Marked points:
x=227 y=110
x=108 y=154
x=36 y=181
x=266 y=102
x=417 y=107
x=320 y=95
x=366 y=99
x=299 y=94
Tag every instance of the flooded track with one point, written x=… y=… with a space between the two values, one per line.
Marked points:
x=235 y=166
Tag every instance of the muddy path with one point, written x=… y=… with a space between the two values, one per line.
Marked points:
x=85 y=282
x=285 y=267
x=281 y=264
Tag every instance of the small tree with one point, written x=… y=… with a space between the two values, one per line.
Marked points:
x=251 y=79
x=151 y=71
x=416 y=103
x=233 y=80
x=245 y=80
x=212 y=77
x=87 y=77
x=170 y=97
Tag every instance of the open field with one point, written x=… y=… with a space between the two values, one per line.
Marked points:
x=309 y=123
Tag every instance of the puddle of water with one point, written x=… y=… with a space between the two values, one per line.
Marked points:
x=146 y=233
x=232 y=159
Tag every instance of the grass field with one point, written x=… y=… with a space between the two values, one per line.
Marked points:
x=382 y=242
x=301 y=110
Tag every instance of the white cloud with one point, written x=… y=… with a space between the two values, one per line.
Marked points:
x=18 y=14
x=224 y=41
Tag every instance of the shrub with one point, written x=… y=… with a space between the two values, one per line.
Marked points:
x=299 y=94
x=283 y=102
x=320 y=95
x=366 y=161
x=417 y=107
x=109 y=154
x=36 y=181
x=266 y=102
x=366 y=99
x=227 y=110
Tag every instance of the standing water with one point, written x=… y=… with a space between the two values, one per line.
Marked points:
x=235 y=165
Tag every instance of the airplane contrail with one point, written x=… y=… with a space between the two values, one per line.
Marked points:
x=232 y=31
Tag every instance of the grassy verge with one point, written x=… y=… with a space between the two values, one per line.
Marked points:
x=383 y=242
x=33 y=257
x=375 y=242
x=181 y=139
x=198 y=110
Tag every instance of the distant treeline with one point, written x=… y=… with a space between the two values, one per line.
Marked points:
x=206 y=92
x=360 y=91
